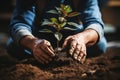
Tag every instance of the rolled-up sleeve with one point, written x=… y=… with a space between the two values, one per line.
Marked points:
x=22 y=19
x=91 y=16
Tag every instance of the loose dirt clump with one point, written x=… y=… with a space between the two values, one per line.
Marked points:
x=104 y=67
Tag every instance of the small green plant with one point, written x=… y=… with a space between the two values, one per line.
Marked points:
x=59 y=23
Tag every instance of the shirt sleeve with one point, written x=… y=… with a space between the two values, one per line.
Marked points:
x=22 y=19
x=91 y=16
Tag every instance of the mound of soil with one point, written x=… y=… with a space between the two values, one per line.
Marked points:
x=104 y=67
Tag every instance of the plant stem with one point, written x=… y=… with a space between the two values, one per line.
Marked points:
x=57 y=44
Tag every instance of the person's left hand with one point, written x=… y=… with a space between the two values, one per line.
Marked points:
x=77 y=47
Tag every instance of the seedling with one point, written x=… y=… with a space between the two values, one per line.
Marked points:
x=64 y=12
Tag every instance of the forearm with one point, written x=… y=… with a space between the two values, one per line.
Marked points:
x=28 y=41
x=22 y=20
x=89 y=36
x=91 y=18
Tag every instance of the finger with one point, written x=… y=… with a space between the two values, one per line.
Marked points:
x=75 y=56
x=47 y=48
x=77 y=51
x=83 y=51
x=65 y=42
x=83 y=59
x=48 y=51
x=72 y=47
x=52 y=50
x=46 y=57
x=79 y=58
x=42 y=55
x=82 y=55
x=36 y=55
x=39 y=59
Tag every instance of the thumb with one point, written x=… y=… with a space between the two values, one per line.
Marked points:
x=65 y=44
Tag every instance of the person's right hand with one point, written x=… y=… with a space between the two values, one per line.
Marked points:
x=43 y=51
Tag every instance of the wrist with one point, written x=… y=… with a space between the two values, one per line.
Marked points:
x=89 y=37
x=28 y=42
x=82 y=38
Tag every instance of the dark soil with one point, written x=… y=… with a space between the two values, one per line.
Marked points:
x=104 y=67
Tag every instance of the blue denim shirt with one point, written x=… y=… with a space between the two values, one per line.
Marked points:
x=22 y=22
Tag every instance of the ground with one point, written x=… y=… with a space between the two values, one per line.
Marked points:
x=104 y=67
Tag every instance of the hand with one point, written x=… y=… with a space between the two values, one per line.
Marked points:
x=43 y=51
x=77 y=47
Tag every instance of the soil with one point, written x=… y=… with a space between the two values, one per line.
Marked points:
x=104 y=67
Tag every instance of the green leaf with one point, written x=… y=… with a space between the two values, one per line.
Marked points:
x=54 y=20
x=62 y=24
x=46 y=31
x=58 y=36
x=52 y=12
x=46 y=22
x=68 y=28
x=68 y=9
x=73 y=24
x=58 y=10
x=73 y=14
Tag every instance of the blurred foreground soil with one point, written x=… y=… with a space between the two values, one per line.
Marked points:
x=104 y=67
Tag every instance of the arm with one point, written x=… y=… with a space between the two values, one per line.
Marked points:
x=91 y=17
x=22 y=20
x=78 y=43
x=21 y=31
x=93 y=30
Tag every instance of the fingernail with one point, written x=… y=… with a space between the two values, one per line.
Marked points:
x=53 y=54
x=75 y=56
x=77 y=52
x=79 y=58
x=70 y=52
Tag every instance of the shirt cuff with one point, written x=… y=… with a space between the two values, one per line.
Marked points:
x=98 y=28
x=20 y=34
